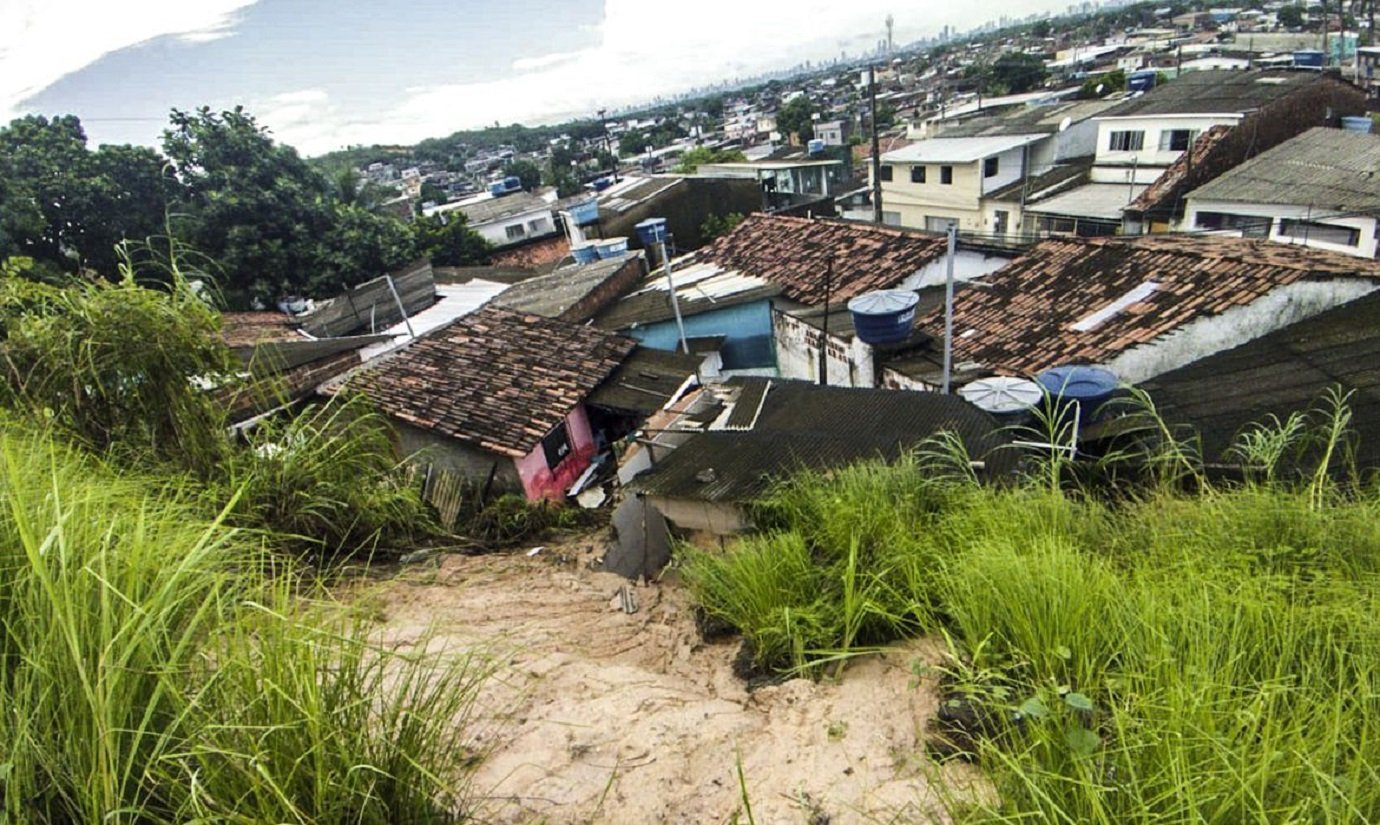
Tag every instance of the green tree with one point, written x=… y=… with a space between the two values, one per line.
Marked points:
x=1103 y=85
x=1018 y=72
x=1041 y=29
x=526 y=171
x=795 y=118
x=68 y=207
x=1290 y=17
x=358 y=246
x=254 y=206
x=448 y=240
x=716 y=225
x=691 y=160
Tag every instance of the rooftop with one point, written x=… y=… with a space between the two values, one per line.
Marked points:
x=1281 y=373
x=487 y=209
x=245 y=329
x=1328 y=169
x=497 y=379
x=959 y=149
x=565 y=289
x=1080 y=300
x=786 y=426
x=796 y=253
x=1025 y=120
x=1091 y=200
x=1210 y=152
x=1221 y=91
x=645 y=382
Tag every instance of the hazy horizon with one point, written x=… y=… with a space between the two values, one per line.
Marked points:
x=325 y=75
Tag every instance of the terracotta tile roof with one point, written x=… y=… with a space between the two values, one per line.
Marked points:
x=792 y=253
x=1205 y=159
x=242 y=329
x=497 y=379
x=1024 y=321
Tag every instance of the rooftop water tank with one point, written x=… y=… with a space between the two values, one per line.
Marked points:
x=815 y=146
x=885 y=316
x=1308 y=59
x=585 y=211
x=1088 y=387
x=512 y=183
x=611 y=247
x=1142 y=81
x=497 y=188
x=584 y=252
x=1003 y=396
x=600 y=184
x=1357 y=124
x=651 y=231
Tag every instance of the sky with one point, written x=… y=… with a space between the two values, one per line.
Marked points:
x=325 y=74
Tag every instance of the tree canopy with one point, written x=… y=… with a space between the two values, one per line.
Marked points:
x=1017 y=72
x=795 y=118
x=691 y=160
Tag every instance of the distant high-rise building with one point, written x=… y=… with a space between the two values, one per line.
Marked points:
x=890 y=25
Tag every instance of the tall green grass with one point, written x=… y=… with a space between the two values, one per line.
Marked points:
x=1168 y=656
x=158 y=666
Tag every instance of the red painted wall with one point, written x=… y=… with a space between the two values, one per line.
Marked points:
x=539 y=481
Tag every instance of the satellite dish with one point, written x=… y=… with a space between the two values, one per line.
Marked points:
x=1100 y=87
x=1065 y=123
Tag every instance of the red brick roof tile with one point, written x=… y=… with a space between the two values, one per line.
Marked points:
x=1022 y=322
x=793 y=253
x=496 y=378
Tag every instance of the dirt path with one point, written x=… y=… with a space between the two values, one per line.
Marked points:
x=602 y=716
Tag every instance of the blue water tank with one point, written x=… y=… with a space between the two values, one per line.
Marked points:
x=884 y=317
x=585 y=252
x=1142 y=81
x=1362 y=124
x=600 y=184
x=1087 y=386
x=815 y=146
x=651 y=231
x=611 y=247
x=1308 y=59
x=497 y=188
x=512 y=183
x=586 y=211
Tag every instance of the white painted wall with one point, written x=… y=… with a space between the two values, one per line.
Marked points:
x=968 y=265
x=496 y=232
x=1367 y=225
x=1149 y=160
x=1008 y=170
x=849 y=363
x=1235 y=326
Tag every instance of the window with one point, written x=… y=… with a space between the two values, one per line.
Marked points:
x=1127 y=141
x=515 y=232
x=537 y=226
x=989 y=167
x=1177 y=140
x=917 y=174
x=1001 y=219
x=1250 y=226
x=885 y=173
x=1321 y=232
x=946 y=175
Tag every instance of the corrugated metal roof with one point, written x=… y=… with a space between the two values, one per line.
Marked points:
x=1091 y=200
x=1324 y=168
x=959 y=150
x=1221 y=91
x=805 y=426
x=1284 y=372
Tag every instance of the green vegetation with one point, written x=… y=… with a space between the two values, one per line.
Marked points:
x=694 y=158
x=274 y=224
x=716 y=225
x=138 y=375
x=796 y=118
x=1166 y=656
x=158 y=664
x=1103 y=85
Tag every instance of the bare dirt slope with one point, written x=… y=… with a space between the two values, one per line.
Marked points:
x=602 y=716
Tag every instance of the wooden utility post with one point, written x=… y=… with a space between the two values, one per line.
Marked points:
x=876 y=149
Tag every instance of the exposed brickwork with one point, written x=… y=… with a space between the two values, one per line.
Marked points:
x=538 y=253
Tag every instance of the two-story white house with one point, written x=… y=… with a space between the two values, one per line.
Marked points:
x=1320 y=189
x=1142 y=137
x=505 y=220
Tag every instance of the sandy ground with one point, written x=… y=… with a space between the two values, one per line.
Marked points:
x=602 y=716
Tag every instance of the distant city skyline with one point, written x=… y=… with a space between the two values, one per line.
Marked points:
x=325 y=74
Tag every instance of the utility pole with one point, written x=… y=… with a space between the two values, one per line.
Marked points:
x=608 y=142
x=876 y=149
x=949 y=308
x=824 y=337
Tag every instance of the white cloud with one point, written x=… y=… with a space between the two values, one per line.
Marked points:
x=648 y=49
x=42 y=41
